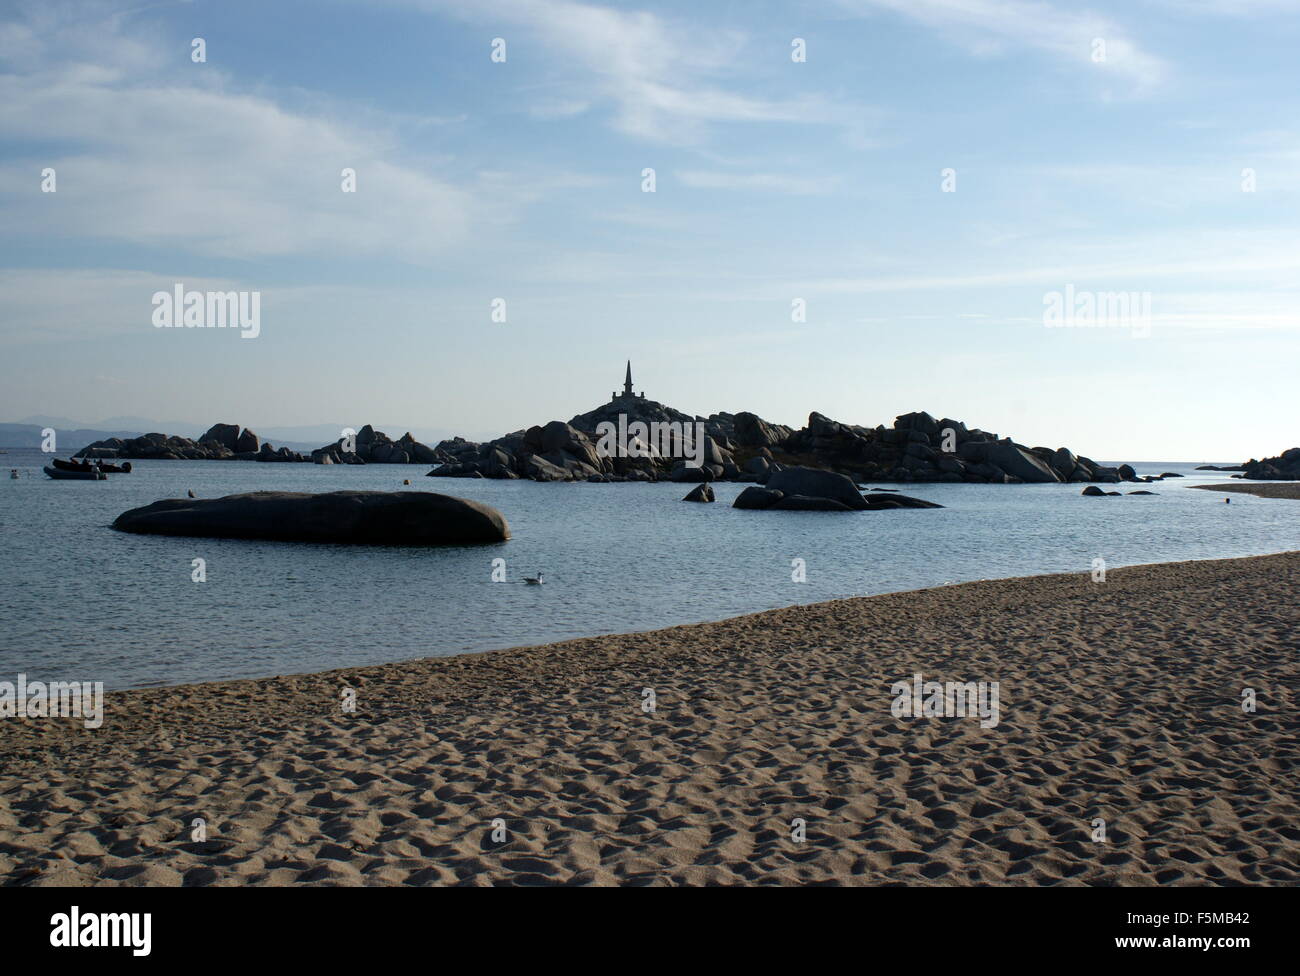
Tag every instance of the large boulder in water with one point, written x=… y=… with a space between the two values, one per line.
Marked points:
x=818 y=484
x=755 y=497
x=700 y=493
x=385 y=518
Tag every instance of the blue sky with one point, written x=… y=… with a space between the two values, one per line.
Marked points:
x=776 y=180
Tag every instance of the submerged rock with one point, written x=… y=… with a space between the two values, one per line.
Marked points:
x=807 y=503
x=700 y=493
x=388 y=518
x=895 y=500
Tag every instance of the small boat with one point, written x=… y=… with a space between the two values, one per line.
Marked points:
x=63 y=474
x=125 y=468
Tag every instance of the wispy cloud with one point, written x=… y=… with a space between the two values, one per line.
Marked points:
x=763 y=182
x=177 y=158
x=1229 y=8
x=665 y=80
x=1062 y=31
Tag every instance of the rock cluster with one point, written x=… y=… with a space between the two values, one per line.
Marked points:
x=570 y=451
x=227 y=442
x=375 y=447
x=222 y=442
x=744 y=447
x=920 y=448
x=733 y=447
x=1284 y=467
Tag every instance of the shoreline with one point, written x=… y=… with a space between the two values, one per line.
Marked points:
x=1260 y=489
x=1119 y=697
x=367 y=672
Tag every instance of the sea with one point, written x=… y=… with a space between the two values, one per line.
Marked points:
x=79 y=601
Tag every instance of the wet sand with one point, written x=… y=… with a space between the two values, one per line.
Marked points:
x=1119 y=700
x=1263 y=489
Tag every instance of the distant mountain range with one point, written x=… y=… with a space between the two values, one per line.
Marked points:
x=74 y=434
x=68 y=438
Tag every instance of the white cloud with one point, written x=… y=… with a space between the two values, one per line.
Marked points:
x=665 y=80
x=1063 y=32
x=176 y=159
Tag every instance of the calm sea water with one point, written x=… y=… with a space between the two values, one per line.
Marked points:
x=78 y=600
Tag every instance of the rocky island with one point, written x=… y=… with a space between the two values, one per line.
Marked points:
x=744 y=447
x=1284 y=467
x=740 y=447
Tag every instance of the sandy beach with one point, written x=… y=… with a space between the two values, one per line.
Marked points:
x=1119 y=700
x=1261 y=489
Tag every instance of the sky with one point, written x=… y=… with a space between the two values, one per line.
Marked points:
x=859 y=207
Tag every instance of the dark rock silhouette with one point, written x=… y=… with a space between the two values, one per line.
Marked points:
x=808 y=490
x=222 y=442
x=809 y=503
x=370 y=446
x=744 y=447
x=1284 y=467
x=407 y=518
x=759 y=498
x=700 y=493
x=877 y=502
x=658 y=443
x=811 y=483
